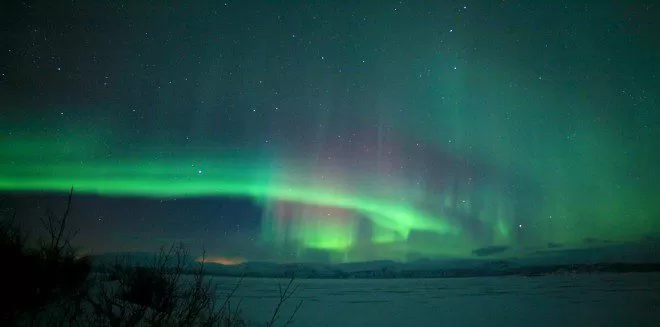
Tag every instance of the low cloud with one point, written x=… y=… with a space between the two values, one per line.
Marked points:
x=490 y=250
x=222 y=260
x=552 y=245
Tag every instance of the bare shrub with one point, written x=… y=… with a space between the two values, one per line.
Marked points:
x=43 y=283
x=158 y=294
x=49 y=285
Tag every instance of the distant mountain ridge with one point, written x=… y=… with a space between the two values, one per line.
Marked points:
x=620 y=258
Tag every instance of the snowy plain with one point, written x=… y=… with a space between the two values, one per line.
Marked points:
x=631 y=299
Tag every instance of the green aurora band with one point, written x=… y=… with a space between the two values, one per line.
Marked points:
x=325 y=213
x=172 y=179
x=303 y=214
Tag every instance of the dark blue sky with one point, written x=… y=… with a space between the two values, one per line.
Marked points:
x=302 y=130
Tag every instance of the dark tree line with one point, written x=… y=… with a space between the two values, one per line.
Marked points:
x=49 y=284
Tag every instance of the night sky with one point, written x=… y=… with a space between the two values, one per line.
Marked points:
x=334 y=131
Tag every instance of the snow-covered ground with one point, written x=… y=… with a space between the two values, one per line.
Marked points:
x=576 y=300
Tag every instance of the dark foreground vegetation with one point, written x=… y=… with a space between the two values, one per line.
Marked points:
x=46 y=283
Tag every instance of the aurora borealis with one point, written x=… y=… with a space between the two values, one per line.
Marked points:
x=321 y=131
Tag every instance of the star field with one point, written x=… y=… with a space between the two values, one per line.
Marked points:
x=271 y=130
